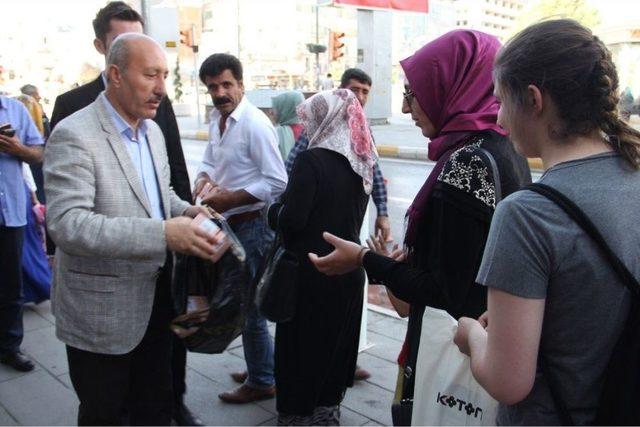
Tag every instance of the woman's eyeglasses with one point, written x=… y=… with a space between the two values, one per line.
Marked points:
x=408 y=96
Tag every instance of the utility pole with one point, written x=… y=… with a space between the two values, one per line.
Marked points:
x=238 y=26
x=195 y=71
x=317 y=53
x=144 y=11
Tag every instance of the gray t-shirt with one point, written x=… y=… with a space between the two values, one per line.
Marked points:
x=535 y=250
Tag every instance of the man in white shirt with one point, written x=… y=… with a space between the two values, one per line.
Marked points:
x=327 y=82
x=243 y=165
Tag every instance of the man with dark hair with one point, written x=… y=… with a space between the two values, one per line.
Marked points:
x=243 y=166
x=112 y=20
x=356 y=74
x=327 y=82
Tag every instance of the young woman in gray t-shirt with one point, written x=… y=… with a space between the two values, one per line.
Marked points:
x=551 y=293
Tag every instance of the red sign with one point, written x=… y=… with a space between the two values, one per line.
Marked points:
x=404 y=5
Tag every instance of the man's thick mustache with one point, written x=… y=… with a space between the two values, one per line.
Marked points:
x=220 y=101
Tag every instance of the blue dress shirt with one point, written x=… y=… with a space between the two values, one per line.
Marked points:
x=138 y=148
x=13 y=198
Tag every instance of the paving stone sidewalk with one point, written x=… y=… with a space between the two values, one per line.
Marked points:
x=45 y=396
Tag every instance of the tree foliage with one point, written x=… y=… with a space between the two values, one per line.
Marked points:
x=540 y=10
x=177 y=82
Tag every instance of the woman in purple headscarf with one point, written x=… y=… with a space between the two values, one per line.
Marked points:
x=449 y=94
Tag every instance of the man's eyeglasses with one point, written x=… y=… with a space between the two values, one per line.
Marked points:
x=408 y=96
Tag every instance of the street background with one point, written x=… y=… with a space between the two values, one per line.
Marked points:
x=49 y=44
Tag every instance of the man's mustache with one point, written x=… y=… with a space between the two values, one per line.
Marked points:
x=155 y=98
x=221 y=100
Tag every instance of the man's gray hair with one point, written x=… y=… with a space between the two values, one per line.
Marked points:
x=29 y=90
x=119 y=50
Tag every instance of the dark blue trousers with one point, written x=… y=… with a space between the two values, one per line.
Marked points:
x=11 y=241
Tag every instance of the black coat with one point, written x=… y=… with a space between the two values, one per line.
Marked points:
x=316 y=352
x=451 y=237
x=78 y=98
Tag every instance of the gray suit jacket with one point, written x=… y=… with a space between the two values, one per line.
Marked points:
x=109 y=249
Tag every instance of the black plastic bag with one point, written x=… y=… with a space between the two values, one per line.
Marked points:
x=211 y=298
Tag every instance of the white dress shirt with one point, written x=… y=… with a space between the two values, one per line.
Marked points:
x=246 y=156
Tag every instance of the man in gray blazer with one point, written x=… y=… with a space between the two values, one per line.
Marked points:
x=114 y=217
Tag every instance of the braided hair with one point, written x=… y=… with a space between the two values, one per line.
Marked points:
x=565 y=60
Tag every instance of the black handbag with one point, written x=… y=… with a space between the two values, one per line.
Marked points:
x=277 y=288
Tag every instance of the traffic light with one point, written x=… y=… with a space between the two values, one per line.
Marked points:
x=186 y=37
x=336 y=45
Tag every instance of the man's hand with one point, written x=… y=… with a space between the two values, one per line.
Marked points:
x=10 y=145
x=185 y=237
x=34 y=198
x=13 y=146
x=221 y=199
x=343 y=259
x=193 y=211
x=383 y=226
x=202 y=180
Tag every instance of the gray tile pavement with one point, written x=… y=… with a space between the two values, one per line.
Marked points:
x=6 y=419
x=45 y=396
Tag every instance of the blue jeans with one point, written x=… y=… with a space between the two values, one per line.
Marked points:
x=256 y=237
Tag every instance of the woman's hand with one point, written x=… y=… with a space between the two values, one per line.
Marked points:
x=379 y=246
x=461 y=339
x=343 y=259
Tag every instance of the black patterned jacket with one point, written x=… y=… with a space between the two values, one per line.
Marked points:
x=452 y=236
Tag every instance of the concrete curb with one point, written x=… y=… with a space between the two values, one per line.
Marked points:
x=201 y=135
x=384 y=151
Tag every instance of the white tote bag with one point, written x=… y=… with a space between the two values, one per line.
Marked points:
x=445 y=391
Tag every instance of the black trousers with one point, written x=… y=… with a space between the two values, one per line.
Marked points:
x=11 y=299
x=134 y=388
x=178 y=369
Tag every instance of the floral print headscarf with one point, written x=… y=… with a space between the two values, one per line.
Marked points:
x=334 y=120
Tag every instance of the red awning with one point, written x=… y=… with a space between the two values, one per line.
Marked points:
x=404 y=5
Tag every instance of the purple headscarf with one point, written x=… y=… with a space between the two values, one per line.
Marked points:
x=452 y=81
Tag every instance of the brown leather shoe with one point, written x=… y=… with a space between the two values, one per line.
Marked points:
x=361 y=374
x=246 y=394
x=240 y=377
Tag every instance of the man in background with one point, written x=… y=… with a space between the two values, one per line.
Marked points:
x=242 y=164
x=20 y=142
x=327 y=82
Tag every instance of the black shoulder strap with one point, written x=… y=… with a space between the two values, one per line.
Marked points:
x=621 y=270
x=495 y=173
x=585 y=223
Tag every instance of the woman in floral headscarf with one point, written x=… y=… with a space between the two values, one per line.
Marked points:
x=449 y=94
x=328 y=189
